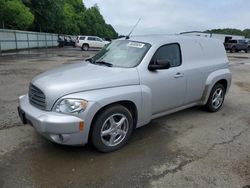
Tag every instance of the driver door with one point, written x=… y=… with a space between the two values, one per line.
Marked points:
x=168 y=86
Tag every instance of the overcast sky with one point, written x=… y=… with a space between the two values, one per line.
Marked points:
x=173 y=16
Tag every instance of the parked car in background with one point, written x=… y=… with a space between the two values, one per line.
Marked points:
x=66 y=40
x=234 y=45
x=124 y=86
x=87 y=42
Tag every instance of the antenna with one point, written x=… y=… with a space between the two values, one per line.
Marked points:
x=127 y=37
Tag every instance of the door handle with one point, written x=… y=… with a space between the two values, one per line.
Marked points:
x=178 y=75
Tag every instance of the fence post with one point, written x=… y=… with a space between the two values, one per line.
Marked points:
x=28 y=40
x=1 y=47
x=46 y=42
x=15 y=39
x=37 y=39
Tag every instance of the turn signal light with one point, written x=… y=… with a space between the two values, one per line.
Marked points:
x=81 y=126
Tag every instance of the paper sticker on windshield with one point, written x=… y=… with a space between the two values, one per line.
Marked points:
x=135 y=45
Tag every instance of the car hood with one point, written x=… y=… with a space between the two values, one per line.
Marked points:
x=82 y=76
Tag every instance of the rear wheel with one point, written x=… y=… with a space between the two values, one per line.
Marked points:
x=247 y=50
x=216 y=98
x=233 y=50
x=112 y=128
x=85 y=47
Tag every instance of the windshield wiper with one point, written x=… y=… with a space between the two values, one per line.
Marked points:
x=89 y=60
x=104 y=63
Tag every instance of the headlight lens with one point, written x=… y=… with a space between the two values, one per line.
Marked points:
x=72 y=106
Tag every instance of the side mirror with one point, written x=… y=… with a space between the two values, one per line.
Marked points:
x=160 y=64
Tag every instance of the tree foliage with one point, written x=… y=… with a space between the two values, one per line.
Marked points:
x=55 y=16
x=230 y=31
x=15 y=15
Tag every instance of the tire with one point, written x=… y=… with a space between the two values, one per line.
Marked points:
x=106 y=134
x=216 y=98
x=233 y=49
x=85 y=47
x=247 y=50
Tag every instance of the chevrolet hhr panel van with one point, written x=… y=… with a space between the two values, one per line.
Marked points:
x=124 y=86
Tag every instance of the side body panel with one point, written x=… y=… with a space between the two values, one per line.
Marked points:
x=202 y=58
x=104 y=97
x=221 y=74
x=166 y=90
x=204 y=62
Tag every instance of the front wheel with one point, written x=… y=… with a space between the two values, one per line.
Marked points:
x=112 y=128
x=247 y=50
x=233 y=50
x=85 y=47
x=216 y=98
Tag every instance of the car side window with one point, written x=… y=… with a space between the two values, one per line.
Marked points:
x=170 y=53
x=82 y=38
x=98 y=39
x=242 y=42
x=92 y=38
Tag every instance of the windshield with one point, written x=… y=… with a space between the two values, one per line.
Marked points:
x=122 y=53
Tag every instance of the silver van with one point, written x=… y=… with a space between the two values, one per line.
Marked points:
x=124 y=86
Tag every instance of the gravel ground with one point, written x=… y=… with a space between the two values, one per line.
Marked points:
x=191 y=148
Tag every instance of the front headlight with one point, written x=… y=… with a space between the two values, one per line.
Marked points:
x=72 y=106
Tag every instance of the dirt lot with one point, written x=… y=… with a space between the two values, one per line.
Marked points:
x=191 y=148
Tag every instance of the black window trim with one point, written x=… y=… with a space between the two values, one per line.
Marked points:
x=91 y=38
x=98 y=39
x=82 y=38
x=168 y=45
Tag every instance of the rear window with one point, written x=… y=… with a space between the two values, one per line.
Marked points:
x=232 y=41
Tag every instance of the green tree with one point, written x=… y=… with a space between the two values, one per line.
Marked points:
x=55 y=16
x=48 y=14
x=94 y=24
x=15 y=15
x=246 y=33
x=231 y=31
x=70 y=19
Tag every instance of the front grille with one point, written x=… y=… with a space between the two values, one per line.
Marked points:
x=37 y=97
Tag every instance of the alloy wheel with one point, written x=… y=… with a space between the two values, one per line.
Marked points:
x=114 y=129
x=217 y=98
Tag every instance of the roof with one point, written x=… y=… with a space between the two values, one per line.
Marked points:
x=155 y=39
x=208 y=33
x=87 y=36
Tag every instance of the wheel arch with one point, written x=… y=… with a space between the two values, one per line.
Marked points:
x=85 y=44
x=221 y=76
x=223 y=82
x=130 y=105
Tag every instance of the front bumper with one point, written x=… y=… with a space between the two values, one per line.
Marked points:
x=59 y=128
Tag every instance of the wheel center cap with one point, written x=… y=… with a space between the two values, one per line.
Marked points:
x=115 y=130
